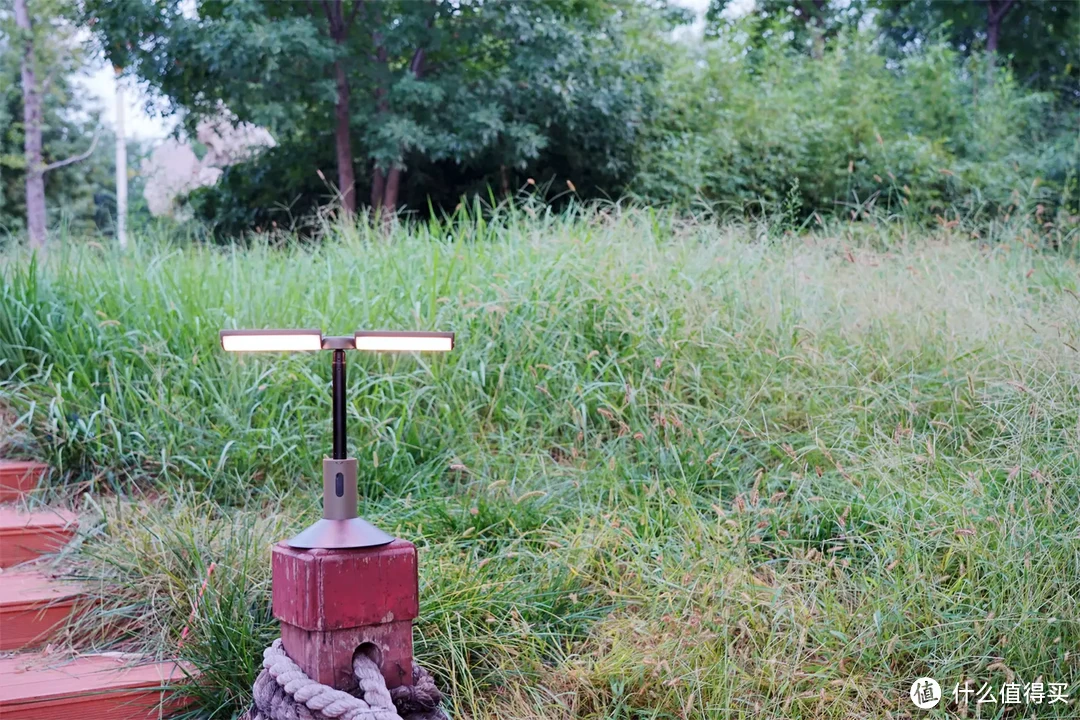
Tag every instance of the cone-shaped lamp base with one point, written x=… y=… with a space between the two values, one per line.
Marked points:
x=351 y=533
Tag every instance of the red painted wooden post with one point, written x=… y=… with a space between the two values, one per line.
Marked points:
x=330 y=602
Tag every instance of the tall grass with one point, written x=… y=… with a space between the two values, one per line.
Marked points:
x=672 y=469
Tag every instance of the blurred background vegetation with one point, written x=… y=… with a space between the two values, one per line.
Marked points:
x=799 y=108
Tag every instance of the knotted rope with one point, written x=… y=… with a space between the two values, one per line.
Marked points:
x=283 y=692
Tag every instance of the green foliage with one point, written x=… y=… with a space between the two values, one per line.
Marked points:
x=74 y=194
x=1039 y=39
x=929 y=136
x=805 y=25
x=462 y=95
x=264 y=60
x=577 y=116
x=792 y=106
x=668 y=470
x=281 y=188
x=800 y=108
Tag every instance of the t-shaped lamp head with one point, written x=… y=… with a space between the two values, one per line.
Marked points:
x=340 y=526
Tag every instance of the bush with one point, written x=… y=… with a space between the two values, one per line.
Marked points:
x=280 y=188
x=751 y=129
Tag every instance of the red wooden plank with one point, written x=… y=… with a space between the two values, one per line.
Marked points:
x=31 y=628
x=27 y=535
x=91 y=687
x=19 y=477
x=32 y=607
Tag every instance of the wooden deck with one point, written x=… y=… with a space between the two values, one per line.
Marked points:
x=92 y=687
x=19 y=477
x=27 y=535
x=32 y=607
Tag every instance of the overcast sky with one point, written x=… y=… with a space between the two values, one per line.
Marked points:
x=139 y=124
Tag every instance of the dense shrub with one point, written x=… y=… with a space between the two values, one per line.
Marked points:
x=281 y=188
x=748 y=129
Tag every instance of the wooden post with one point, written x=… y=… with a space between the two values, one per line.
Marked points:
x=332 y=603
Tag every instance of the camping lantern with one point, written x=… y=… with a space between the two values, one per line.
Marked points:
x=340 y=526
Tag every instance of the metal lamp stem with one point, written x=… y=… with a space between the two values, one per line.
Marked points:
x=341 y=448
x=340 y=526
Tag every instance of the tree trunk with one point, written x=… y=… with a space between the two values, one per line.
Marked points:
x=993 y=27
x=812 y=15
x=390 y=197
x=35 y=168
x=346 y=174
x=378 y=187
x=817 y=51
x=386 y=185
x=339 y=25
x=378 y=177
x=996 y=10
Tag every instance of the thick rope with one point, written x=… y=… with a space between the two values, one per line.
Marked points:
x=283 y=692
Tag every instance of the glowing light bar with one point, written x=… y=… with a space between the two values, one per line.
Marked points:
x=389 y=341
x=271 y=340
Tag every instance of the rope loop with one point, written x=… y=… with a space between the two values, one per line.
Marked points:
x=282 y=691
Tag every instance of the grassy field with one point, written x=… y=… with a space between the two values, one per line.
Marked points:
x=672 y=470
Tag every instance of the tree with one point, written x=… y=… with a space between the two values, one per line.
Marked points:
x=45 y=39
x=395 y=84
x=340 y=24
x=121 y=166
x=35 y=170
x=996 y=10
x=810 y=23
x=1038 y=38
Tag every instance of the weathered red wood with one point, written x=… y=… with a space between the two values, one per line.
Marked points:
x=333 y=589
x=32 y=607
x=27 y=535
x=327 y=656
x=90 y=687
x=19 y=477
x=330 y=602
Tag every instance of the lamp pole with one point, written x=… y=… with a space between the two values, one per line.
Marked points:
x=338 y=390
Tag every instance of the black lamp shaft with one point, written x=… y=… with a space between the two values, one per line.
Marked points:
x=341 y=450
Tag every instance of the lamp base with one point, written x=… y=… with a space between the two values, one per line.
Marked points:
x=352 y=533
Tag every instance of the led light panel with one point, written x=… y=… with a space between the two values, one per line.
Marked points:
x=405 y=341
x=271 y=340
